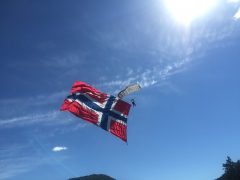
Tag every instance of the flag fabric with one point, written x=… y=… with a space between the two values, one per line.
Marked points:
x=103 y=110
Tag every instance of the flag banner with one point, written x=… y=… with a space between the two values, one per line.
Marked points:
x=103 y=110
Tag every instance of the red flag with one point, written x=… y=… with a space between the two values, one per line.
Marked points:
x=106 y=111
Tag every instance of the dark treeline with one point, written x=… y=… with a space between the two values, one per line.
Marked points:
x=231 y=170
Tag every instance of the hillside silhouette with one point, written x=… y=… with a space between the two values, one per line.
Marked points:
x=94 y=177
x=231 y=172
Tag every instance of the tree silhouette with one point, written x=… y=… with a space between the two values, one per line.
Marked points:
x=231 y=170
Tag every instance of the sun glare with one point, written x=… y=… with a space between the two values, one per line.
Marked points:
x=185 y=11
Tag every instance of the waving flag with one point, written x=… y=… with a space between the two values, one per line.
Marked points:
x=106 y=111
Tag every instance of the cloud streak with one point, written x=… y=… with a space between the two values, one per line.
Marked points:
x=237 y=15
x=16 y=159
x=149 y=77
x=35 y=101
x=59 y=148
x=30 y=119
x=178 y=48
x=233 y=1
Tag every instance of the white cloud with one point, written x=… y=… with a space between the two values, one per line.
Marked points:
x=129 y=72
x=59 y=148
x=120 y=84
x=233 y=1
x=237 y=15
x=15 y=160
x=11 y=168
x=68 y=60
x=147 y=83
x=52 y=120
x=44 y=118
x=170 y=48
x=15 y=105
x=150 y=77
x=30 y=119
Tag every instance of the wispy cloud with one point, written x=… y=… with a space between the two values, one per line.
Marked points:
x=59 y=148
x=237 y=15
x=30 y=119
x=233 y=1
x=169 y=54
x=149 y=77
x=10 y=168
x=15 y=105
x=54 y=120
x=166 y=49
x=178 y=49
x=15 y=160
x=67 y=61
x=34 y=110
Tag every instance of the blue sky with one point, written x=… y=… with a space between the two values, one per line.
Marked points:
x=186 y=121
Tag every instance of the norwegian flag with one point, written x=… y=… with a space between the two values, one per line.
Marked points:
x=106 y=111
